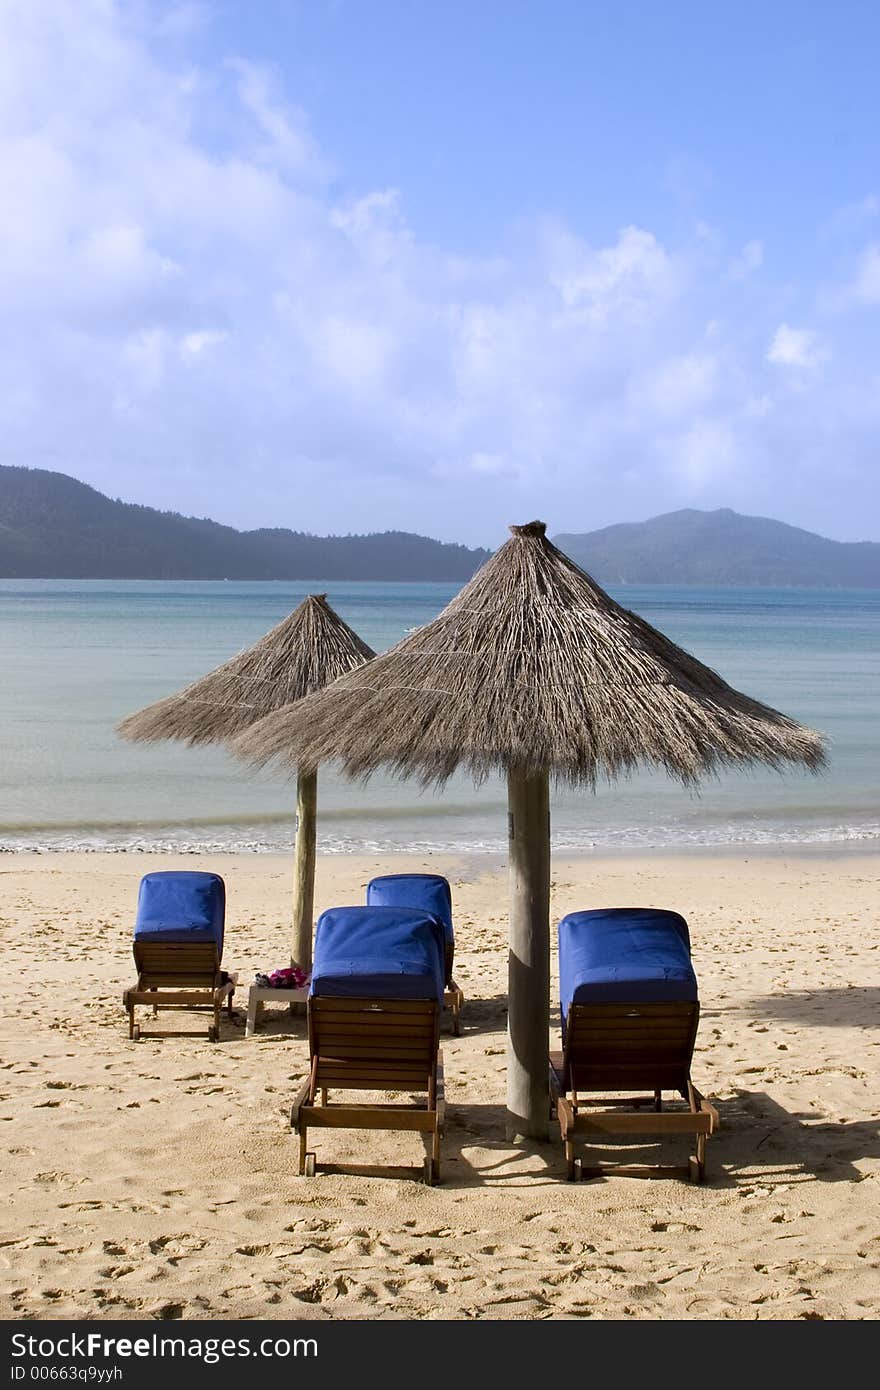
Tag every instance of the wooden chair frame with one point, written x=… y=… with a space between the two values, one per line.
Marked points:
x=622 y=1047
x=372 y=1045
x=178 y=975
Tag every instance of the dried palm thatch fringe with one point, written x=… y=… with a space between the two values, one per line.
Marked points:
x=531 y=667
x=310 y=648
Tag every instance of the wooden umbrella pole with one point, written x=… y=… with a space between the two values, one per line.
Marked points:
x=528 y=990
x=304 y=868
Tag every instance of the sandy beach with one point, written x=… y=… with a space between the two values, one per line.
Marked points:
x=157 y=1179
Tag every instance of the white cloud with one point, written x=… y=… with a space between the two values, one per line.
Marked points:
x=796 y=347
x=375 y=226
x=495 y=465
x=629 y=277
x=286 y=142
x=193 y=345
x=757 y=407
x=145 y=354
x=851 y=220
x=678 y=386
x=750 y=259
x=867 y=281
x=355 y=351
x=182 y=18
x=704 y=454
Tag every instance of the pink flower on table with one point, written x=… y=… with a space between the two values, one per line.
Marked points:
x=289 y=977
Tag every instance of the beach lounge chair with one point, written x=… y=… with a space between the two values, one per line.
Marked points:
x=178 y=946
x=432 y=893
x=630 y=1009
x=374 y=1019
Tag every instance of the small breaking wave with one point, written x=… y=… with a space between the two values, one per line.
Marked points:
x=275 y=835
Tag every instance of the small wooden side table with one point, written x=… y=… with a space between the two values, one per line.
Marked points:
x=258 y=995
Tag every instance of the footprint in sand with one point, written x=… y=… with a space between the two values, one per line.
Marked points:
x=165 y=1312
x=57 y=1180
x=176 y=1247
x=322 y=1290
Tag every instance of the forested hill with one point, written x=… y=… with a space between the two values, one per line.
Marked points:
x=722 y=548
x=54 y=527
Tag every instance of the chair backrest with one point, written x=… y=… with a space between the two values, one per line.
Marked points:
x=375 y=998
x=181 y=907
x=628 y=998
x=431 y=892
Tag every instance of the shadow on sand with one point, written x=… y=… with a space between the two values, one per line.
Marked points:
x=759 y=1141
x=844 y=1007
x=775 y=1145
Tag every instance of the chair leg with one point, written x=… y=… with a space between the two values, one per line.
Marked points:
x=566 y=1111
x=323 y=1095
x=658 y=1100
x=131 y=1021
x=569 y=1158
x=435 y=1153
x=697 y=1164
x=155 y=1006
x=303 y=1145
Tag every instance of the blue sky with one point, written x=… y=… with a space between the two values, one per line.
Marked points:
x=357 y=265
x=488 y=113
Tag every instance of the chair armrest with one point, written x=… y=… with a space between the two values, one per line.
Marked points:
x=565 y=1112
x=708 y=1108
x=299 y=1101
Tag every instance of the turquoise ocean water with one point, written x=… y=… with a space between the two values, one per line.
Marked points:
x=76 y=656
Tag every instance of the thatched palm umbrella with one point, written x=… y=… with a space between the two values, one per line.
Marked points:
x=532 y=668
x=305 y=652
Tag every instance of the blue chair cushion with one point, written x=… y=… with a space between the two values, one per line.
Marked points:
x=430 y=892
x=181 y=906
x=627 y=954
x=378 y=953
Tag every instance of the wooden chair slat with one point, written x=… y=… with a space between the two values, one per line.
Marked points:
x=400 y=1015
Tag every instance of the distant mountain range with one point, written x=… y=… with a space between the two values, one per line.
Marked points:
x=722 y=548
x=53 y=527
